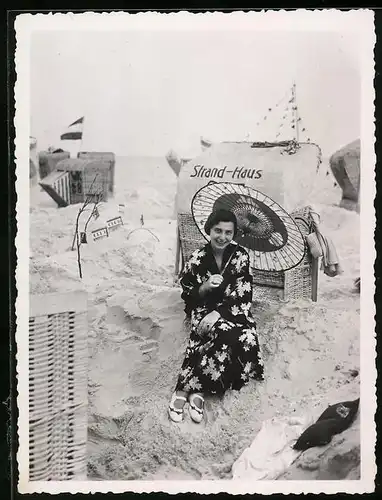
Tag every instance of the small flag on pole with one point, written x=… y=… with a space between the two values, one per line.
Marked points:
x=74 y=131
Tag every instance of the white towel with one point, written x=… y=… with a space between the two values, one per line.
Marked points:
x=271 y=452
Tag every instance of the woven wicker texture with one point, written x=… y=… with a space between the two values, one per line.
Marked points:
x=268 y=278
x=96 y=180
x=58 y=386
x=190 y=236
x=263 y=293
x=105 y=157
x=295 y=283
x=298 y=281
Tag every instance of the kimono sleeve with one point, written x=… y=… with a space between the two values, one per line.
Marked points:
x=190 y=282
x=237 y=301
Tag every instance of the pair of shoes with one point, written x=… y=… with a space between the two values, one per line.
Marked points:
x=196 y=413
x=176 y=414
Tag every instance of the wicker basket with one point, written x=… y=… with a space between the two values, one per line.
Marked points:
x=299 y=282
x=58 y=386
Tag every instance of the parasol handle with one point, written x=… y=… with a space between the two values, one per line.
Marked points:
x=226 y=264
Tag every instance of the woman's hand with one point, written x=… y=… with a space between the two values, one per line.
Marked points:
x=212 y=283
x=208 y=322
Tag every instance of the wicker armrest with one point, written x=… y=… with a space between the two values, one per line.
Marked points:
x=302 y=281
x=58 y=386
x=190 y=236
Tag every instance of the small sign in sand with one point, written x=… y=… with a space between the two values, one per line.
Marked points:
x=114 y=223
x=102 y=232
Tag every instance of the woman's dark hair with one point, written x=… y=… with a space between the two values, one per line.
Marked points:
x=220 y=215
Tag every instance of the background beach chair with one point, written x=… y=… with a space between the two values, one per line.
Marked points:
x=85 y=177
x=346 y=168
x=88 y=177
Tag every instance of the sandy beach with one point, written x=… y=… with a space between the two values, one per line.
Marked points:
x=137 y=338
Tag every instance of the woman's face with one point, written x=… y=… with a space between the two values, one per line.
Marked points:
x=221 y=235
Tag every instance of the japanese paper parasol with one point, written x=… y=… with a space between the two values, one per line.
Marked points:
x=264 y=227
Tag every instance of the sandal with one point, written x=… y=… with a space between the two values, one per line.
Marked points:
x=176 y=414
x=196 y=413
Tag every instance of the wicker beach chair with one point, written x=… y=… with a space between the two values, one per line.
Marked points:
x=299 y=282
x=58 y=386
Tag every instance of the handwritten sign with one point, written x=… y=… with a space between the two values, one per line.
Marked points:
x=102 y=232
x=239 y=172
x=286 y=178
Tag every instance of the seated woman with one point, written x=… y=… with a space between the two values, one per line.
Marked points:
x=223 y=351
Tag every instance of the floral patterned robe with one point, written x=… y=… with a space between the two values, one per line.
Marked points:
x=228 y=355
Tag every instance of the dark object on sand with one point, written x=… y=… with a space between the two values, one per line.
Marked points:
x=334 y=420
x=357 y=285
x=318 y=434
x=344 y=412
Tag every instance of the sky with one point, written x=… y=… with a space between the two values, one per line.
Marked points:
x=143 y=92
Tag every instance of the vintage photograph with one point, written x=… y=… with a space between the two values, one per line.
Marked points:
x=195 y=269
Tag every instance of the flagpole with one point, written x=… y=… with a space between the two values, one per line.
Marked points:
x=82 y=136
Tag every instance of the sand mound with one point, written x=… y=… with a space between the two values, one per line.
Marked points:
x=150 y=340
x=129 y=251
